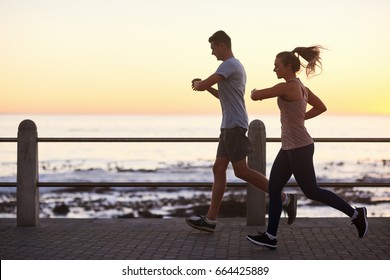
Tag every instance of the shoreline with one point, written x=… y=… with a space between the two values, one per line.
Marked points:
x=181 y=202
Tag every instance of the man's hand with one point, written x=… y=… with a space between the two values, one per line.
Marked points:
x=194 y=83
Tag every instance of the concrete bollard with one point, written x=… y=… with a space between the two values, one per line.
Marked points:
x=256 y=204
x=27 y=194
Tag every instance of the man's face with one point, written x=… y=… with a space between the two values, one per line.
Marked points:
x=217 y=50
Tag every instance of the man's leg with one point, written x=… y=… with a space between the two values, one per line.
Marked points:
x=208 y=222
x=242 y=171
x=219 y=185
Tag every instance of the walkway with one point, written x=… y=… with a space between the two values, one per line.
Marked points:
x=147 y=239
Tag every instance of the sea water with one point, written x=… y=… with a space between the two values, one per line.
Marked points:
x=186 y=162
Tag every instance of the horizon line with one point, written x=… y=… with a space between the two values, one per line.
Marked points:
x=176 y=114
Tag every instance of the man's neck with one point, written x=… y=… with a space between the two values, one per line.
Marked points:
x=228 y=56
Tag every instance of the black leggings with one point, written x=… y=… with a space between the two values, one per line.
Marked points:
x=298 y=162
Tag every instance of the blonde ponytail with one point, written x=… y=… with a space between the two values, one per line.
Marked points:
x=310 y=54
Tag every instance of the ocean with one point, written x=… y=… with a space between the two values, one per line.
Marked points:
x=181 y=162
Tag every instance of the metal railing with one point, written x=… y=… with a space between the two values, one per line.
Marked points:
x=183 y=140
x=28 y=176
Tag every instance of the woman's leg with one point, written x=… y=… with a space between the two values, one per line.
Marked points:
x=280 y=174
x=301 y=161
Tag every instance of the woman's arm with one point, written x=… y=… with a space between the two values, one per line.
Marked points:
x=281 y=89
x=318 y=106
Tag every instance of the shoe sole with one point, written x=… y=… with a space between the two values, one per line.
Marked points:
x=272 y=247
x=365 y=221
x=199 y=227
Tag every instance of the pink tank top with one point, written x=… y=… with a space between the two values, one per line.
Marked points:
x=292 y=117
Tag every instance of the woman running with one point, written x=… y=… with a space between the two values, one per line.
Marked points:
x=296 y=155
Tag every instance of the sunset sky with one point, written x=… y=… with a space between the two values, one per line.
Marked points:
x=139 y=57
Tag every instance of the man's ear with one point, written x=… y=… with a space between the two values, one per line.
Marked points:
x=223 y=46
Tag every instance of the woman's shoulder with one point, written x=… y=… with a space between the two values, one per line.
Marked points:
x=291 y=84
x=293 y=89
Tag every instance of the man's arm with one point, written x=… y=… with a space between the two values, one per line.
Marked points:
x=202 y=85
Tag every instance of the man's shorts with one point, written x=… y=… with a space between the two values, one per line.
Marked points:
x=234 y=144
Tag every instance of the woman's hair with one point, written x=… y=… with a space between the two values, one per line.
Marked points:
x=310 y=54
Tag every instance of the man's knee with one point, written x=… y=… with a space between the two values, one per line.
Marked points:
x=241 y=171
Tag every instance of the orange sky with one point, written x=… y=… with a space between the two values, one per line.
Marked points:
x=132 y=57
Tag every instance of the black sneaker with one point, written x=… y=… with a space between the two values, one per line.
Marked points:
x=361 y=221
x=291 y=208
x=263 y=240
x=199 y=222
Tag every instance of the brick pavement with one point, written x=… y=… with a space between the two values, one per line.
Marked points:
x=148 y=239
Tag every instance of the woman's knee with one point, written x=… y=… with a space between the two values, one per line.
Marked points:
x=312 y=194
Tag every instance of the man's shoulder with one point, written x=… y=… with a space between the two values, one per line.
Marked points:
x=231 y=60
x=231 y=63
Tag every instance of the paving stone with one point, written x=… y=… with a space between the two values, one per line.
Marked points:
x=82 y=239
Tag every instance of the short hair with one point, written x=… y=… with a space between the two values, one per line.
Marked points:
x=220 y=37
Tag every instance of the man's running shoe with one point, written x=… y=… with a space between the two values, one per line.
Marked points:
x=361 y=221
x=201 y=223
x=291 y=208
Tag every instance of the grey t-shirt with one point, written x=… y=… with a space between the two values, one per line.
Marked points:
x=231 y=94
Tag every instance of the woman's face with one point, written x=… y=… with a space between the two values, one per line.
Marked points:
x=280 y=69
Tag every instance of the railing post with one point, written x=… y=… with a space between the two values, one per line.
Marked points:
x=255 y=207
x=27 y=195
